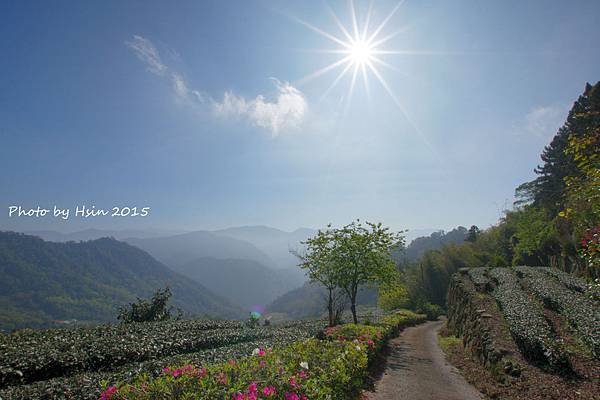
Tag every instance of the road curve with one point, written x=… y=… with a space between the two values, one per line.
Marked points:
x=416 y=369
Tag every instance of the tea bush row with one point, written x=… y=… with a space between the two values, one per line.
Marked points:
x=526 y=322
x=39 y=355
x=87 y=385
x=581 y=312
x=479 y=278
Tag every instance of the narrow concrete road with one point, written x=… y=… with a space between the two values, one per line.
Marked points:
x=417 y=370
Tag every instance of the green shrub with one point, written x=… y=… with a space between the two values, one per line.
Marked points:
x=402 y=319
x=392 y=296
x=432 y=311
x=155 y=309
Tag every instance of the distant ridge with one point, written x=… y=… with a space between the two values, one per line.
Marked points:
x=41 y=282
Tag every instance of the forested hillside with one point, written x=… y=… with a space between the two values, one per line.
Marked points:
x=555 y=221
x=435 y=241
x=42 y=282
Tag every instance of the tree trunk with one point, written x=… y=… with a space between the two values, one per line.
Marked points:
x=330 y=307
x=353 y=304
x=353 y=308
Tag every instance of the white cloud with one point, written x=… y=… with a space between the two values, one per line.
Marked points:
x=287 y=110
x=147 y=53
x=544 y=120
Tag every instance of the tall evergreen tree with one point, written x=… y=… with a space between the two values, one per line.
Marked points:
x=548 y=188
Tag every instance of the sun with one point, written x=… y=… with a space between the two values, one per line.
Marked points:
x=361 y=50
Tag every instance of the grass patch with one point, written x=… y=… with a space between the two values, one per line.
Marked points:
x=450 y=343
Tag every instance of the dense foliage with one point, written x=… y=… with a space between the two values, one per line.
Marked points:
x=333 y=367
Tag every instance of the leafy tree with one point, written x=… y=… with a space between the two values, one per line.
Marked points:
x=535 y=240
x=349 y=258
x=473 y=234
x=361 y=255
x=155 y=309
x=582 y=192
x=547 y=190
x=318 y=261
x=393 y=294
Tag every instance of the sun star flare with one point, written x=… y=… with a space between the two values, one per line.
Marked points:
x=360 y=49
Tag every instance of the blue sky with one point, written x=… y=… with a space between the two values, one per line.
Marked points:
x=200 y=110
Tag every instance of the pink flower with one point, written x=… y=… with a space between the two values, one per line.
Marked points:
x=166 y=371
x=202 y=372
x=232 y=362
x=371 y=343
x=252 y=388
x=262 y=363
x=302 y=374
x=262 y=353
x=291 y=396
x=108 y=393
x=238 y=396
x=222 y=378
x=269 y=391
x=293 y=382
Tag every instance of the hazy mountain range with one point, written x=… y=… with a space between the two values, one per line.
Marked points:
x=42 y=282
x=223 y=272
x=249 y=265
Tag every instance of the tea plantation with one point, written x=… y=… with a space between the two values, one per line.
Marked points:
x=200 y=358
x=71 y=363
x=531 y=326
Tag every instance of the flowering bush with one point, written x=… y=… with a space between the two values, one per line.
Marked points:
x=402 y=319
x=312 y=369
x=84 y=357
x=333 y=368
x=371 y=338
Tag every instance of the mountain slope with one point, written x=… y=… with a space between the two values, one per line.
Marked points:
x=92 y=234
x=245 y=282
x=184 y=248
x=273 y=242
x=44 y=281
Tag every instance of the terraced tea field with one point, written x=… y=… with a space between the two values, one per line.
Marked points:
x=70 y=363
x=534 y=327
